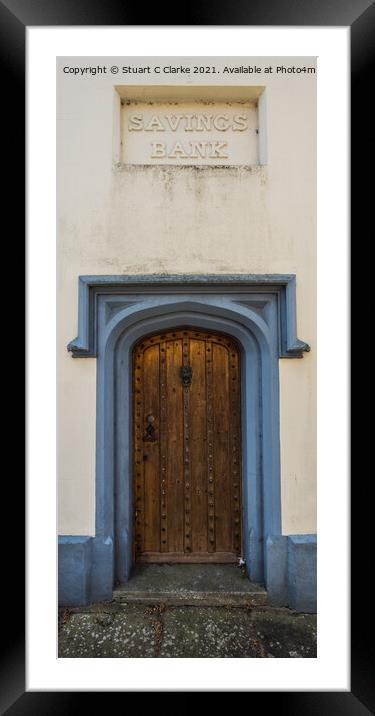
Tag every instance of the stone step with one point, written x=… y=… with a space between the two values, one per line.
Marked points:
x=246 y=598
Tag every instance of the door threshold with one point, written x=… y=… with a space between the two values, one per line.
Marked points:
x=192 y=599
x=190 y=585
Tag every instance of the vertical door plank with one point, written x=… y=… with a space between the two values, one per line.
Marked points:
x=138 y=451
x=198 y=440
x=163 y=450
x=235 y=448
x=151 y=463
x=210 y=448
x=174 y=439
x=223 y=506
x=186 y=450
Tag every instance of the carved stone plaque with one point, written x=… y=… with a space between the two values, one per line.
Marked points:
x=203 y=133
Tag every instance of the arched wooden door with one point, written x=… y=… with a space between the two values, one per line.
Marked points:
x=187 y=452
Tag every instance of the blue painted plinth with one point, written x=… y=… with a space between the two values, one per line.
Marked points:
x=86 y=572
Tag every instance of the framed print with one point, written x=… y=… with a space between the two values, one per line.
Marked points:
x=141 y=267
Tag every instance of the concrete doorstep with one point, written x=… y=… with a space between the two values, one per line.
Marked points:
x=186 y=599
x=190 y=585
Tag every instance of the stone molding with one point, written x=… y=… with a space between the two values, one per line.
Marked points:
x=237 y=287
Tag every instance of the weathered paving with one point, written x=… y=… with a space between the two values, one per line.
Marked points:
x=117 y=629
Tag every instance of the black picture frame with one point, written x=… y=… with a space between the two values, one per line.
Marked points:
x=15 y=17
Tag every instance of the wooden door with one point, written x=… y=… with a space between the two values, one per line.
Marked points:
x=187 y=453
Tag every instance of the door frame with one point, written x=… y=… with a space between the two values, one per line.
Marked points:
x=114 y=313
x=255 y=373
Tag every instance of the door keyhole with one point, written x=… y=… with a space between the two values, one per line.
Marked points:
x=150 y=429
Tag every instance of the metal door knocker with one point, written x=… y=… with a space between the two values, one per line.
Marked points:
x=186 y=373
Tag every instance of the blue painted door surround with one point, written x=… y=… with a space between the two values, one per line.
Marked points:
x=114 y=313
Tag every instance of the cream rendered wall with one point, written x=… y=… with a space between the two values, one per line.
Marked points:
x=114 y=220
